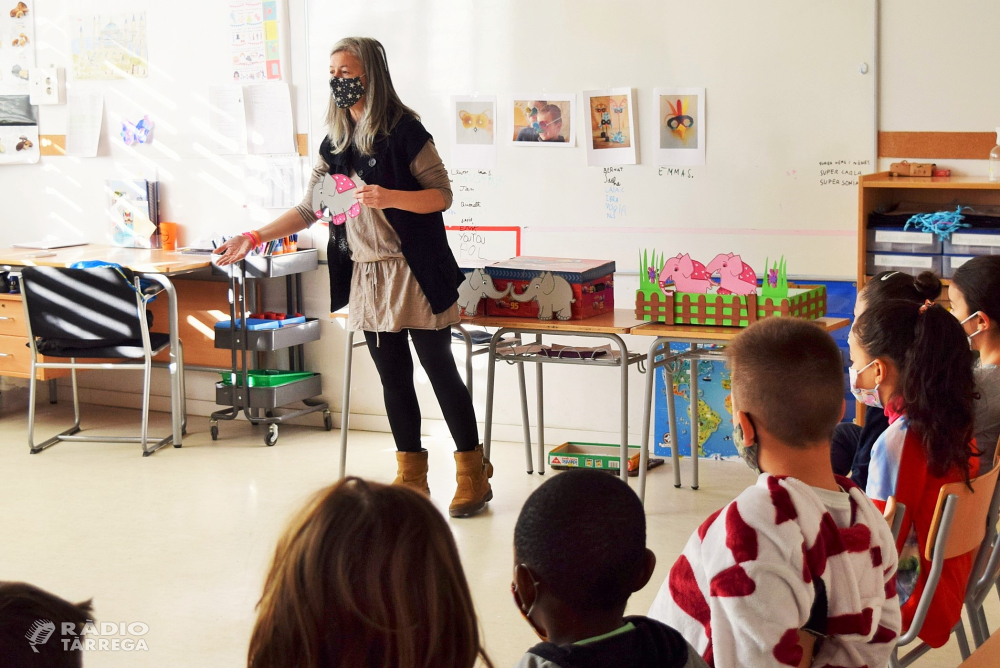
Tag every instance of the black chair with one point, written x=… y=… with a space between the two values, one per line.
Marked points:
x=97 y=313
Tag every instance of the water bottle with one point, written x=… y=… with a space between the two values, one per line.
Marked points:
x=995 y=160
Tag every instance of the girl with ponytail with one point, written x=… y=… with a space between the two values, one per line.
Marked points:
x=851 y=447
x=915 y=361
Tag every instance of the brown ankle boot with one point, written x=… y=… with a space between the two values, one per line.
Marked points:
x=411 y=470
x=473 y=475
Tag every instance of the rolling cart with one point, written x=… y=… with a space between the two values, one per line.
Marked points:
x=259 y=393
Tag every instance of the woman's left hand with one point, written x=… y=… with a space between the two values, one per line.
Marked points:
x=375 y=197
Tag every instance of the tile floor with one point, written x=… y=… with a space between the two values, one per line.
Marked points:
x=181 y=540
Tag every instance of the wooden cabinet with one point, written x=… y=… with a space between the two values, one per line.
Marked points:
x=880 y=192
x=15 y=355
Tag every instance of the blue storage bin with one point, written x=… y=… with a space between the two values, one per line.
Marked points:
x=910 y=263
x=895 y=240
x=973 y=242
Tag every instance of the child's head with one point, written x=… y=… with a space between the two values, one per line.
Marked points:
x=579 y=546
x=787 y=384
x=32 y=625
x=549 y=122
x=366 y=575
x=975 y=296
x=898 y=285
x=918 y=356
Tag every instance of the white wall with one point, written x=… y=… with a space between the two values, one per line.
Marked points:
x=939 y=68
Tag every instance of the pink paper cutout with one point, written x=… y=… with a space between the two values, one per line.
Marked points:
x=735 y=276
x=355 y=210
x=340 y=219
x=686 y=274
x=343 y=183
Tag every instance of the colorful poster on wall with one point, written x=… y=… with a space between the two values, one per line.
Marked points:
x=715 y=423
x=681 y=114
x=609 y=116
x=17 y=48
x=255 y=40
x=109 y=46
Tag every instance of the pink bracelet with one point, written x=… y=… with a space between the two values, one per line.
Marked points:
x=254 y=237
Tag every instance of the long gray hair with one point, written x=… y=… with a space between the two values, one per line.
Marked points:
x=383 y=108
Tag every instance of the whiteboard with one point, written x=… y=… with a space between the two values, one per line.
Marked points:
x=784 y=96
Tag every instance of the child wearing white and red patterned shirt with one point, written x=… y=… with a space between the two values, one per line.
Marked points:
x=800 y=568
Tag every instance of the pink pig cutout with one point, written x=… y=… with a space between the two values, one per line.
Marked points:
x=736 y=277
x=331 y=194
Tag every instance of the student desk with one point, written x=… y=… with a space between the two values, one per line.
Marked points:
x=696 y=336
x=155 y=265
x=608 y=326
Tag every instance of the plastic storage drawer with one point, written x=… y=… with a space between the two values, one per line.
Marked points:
x=910 y=263
x=974 y=242
x=895 y=240
x=953 y=262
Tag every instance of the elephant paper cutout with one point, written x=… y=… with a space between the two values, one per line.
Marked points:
x=686 y=274
x=478 y=285
x=553 y=293
x=333 y=199
x=736 y=277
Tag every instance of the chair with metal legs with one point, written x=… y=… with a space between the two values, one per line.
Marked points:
x=96 y=313
x=959 y=527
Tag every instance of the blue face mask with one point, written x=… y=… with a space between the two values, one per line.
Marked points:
x=974 y=334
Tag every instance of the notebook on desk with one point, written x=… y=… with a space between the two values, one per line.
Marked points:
x=50 y=244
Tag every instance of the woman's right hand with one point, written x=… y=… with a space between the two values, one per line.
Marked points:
x=233 y=250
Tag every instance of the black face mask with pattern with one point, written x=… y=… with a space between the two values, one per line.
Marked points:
x=346 y=92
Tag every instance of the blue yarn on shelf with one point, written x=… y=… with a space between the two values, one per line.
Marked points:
x=941 y=223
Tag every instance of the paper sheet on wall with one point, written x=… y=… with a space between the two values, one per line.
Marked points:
x=109 y=45
x=273 y=182
x=18 y=130
x=83 y=129
x=255 y=40
x=227 y=119
x=269 y=119
x=17 y=47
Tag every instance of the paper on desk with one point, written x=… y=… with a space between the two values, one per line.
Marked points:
x=227 y=119
x=86 y=117
x=269 y=119
x=273 y=182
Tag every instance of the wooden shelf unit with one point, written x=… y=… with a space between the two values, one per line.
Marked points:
x=881 y=191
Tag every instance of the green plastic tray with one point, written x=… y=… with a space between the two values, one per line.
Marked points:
x=266 y=377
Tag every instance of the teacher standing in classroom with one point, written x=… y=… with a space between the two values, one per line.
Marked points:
x=390 y=260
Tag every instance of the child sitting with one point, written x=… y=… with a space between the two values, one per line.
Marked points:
x=975 y=301
x=366 y=575
x=915 y=361
x=851 y=448
x=40 y=629
x=800 y=568
x=579 y=553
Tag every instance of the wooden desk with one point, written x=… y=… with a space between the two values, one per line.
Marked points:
x=695 y=336
x=609 y=326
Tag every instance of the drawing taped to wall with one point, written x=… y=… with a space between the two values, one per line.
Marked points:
x=109 y=46
x=473 y=132
x=681 y=122
x=612 y=130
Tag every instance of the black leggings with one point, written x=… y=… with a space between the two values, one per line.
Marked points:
x=391 y=352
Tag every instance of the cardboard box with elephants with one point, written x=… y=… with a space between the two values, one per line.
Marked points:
x=548 y=288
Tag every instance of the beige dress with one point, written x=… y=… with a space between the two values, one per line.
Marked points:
x=385 y=295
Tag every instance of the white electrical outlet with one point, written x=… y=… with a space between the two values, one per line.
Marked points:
x=45 y=85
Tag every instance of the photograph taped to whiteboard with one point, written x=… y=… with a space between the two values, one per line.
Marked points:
x=474 y=131
x=681 y=123
x=612 y=137
x=543 y=120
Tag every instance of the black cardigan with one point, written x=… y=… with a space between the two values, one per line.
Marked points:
x=422 y=236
